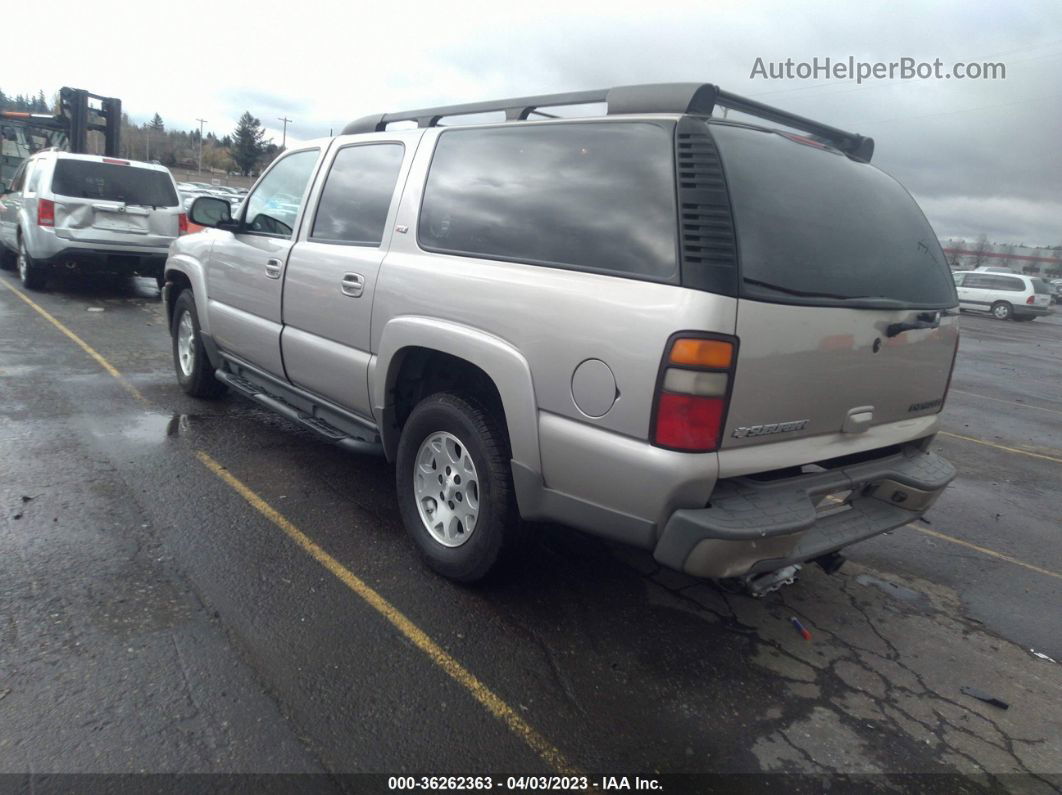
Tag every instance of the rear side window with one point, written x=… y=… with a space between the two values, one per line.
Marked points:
x=35 y=176
x=89 y=179
x=357 y=194
x=1007 y=283
x=815 y=227
x=591 y=196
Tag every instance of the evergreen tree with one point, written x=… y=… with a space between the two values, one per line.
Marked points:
x=248 y=143
x=156 y=123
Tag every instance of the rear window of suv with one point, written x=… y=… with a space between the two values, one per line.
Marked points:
x=815 y=227
x=593 y=196
x=90 y=179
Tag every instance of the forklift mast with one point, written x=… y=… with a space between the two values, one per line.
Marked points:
x=79 y=112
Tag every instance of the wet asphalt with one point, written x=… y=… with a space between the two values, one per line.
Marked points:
x=152 y=620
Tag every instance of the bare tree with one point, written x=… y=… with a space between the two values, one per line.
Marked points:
x=958 y=251
x=982 y=248
x=1008 y=255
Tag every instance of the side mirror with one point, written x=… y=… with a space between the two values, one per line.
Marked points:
x=211 y=211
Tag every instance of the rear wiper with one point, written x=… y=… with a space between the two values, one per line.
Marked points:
x=790 y=291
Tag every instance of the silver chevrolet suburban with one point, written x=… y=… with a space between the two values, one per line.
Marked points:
x=725 y=343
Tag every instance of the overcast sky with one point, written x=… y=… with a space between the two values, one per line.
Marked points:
x=980 y=155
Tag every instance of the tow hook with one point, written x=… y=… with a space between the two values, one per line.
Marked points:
x=763 y=584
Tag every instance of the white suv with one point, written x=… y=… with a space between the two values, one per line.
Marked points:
x=90 y=213
x=1006 y=296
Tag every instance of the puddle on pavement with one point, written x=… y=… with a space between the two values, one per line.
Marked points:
x=900 y=592
x=157 y=427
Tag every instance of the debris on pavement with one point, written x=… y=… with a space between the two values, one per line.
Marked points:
x=1041 y=655
x=988 y=698
x=800 y=628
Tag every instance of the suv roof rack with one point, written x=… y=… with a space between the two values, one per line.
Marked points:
x=694 y=98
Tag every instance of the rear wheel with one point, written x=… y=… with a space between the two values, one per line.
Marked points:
x=1001 y=310
x=31 y=274
x=455 y=490
x=195 y=374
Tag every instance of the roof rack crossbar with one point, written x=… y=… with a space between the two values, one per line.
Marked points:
x=691 y=98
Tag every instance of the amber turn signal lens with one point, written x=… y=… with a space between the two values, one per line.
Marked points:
x=716 y=354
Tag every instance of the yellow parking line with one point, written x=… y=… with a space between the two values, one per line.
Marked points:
x=479 y=691
x=1014 y=403
x=1017 y=450
x=985 y=551
x=107 y=366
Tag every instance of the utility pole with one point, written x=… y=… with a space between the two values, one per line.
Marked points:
x=284 y=140
x=201 y=123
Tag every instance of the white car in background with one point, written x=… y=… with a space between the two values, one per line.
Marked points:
x=1006 y=296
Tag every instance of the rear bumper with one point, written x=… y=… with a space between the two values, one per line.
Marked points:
x=1024 y=310
x=752 y=526
x=94 y=260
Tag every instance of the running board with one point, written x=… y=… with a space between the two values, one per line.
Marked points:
x=319 y=426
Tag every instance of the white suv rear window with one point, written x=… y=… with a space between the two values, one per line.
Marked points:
x=90 y=179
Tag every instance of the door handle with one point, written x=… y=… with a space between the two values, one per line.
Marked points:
x=272 y=268
x=352 y=284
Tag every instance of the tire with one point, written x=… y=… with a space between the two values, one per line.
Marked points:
x=30 y=273
x=445 y=430
x=195 y=374
x=1001 y=310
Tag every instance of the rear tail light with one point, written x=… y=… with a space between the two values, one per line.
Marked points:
x=45 y=212
x=694 y=393
x=1031 y=299
x=182 y=224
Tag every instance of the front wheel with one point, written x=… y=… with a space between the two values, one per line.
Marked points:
x=1001 y=310
x=454 y=484
x=29 y=272
x=194 y=371
x=8 y=258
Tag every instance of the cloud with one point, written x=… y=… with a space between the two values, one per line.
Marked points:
x=322 y=64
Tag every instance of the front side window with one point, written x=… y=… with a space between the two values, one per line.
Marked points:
x=958 y=279
x=274 y=205
x=357 y=194
x=593 y=196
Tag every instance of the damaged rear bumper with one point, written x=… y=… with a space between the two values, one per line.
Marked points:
x=753 y=526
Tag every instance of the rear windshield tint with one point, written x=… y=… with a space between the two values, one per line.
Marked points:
x=815 y=227
x=590 y=196
x=89 y=179
x=1040 y=286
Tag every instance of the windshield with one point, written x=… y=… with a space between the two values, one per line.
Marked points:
x=815 y=227
x=89 y=179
